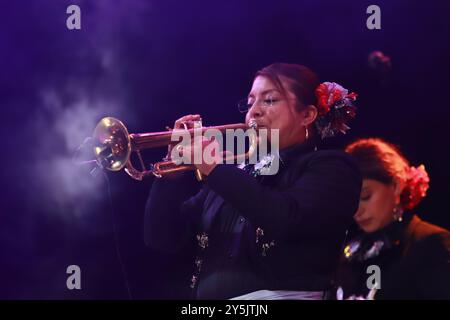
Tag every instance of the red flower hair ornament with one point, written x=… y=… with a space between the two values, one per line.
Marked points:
x=335 y=108
x=416 y=188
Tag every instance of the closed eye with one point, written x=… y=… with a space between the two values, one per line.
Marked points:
x=270 y=101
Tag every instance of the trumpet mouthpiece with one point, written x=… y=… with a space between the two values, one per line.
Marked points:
x=252 y=124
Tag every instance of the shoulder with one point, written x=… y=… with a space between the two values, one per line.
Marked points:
x=332 y=155
x=419 y=230
x=334 y=159
x=328 y=168
x=427 y=238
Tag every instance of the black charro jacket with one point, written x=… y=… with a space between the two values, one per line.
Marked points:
x=280 y=232
x=414 y=262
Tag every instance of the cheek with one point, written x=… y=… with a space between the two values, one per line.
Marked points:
x=272 y=118
x=280 y=119
x=375 y=205
x=381 y=210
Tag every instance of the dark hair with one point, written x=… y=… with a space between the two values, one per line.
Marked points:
x=382 y=161
x=302 y=81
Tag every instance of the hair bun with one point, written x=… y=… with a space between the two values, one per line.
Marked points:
x=335 y=108
x=416 y=187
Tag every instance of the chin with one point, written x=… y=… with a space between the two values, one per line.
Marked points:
x=368 y=228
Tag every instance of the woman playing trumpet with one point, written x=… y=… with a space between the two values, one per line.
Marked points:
x=258 y=236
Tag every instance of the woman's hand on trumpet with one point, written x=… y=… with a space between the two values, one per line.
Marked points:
x=202 y=152
x=186 y=122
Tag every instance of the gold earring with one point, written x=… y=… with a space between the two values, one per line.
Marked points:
x=397 y=214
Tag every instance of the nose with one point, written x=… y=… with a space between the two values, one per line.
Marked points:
x=359 y=212
x=255 y=111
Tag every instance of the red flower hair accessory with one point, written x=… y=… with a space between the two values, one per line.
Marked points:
x=335 y=108
x=416 y=187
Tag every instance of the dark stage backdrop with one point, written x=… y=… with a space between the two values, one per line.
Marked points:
x=150 y=62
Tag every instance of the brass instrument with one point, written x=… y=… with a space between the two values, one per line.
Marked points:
x=113 y=146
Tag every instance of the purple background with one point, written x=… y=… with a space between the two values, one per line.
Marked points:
x=150 y=62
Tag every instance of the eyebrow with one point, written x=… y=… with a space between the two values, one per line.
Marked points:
x=264 y=92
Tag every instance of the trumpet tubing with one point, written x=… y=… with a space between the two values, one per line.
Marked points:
x=141 y=141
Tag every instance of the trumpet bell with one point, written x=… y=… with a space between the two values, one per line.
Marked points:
x=112 y=145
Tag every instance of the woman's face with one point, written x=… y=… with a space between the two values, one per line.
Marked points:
x=273 y=110
x=376 y=205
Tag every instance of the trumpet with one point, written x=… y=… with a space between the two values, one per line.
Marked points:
x=113 y=146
